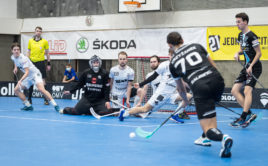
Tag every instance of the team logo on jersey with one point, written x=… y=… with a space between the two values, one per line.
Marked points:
x=82 y=45
x=89 y=76
x=116 y=73
x=99 y=76
x=94 y=80
x=264 y=99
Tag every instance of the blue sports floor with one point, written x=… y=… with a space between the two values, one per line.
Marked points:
x=43 y=137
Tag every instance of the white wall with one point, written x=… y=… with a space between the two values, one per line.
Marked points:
x=8 y=17
x=202 y=18
x=8 y=8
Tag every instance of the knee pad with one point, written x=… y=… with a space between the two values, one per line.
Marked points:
x=214 y=134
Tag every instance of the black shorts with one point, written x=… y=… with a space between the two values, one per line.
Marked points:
x=206 y=93
x=133 y=92
x=249 y=80
x=42 y=68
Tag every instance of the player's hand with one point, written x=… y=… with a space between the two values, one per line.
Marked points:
x=66 y=92
x=108 y=105
x=48 y=67
x=237 y=57
x=15 y=70
x=136 y=85
x=128 y=104
x=249 y=70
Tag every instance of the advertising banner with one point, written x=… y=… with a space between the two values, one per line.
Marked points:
x=107 y=44
x=222 y=41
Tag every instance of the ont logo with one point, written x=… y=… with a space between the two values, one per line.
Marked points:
x=264 y=99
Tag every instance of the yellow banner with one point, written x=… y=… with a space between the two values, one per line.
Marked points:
x=222 y=41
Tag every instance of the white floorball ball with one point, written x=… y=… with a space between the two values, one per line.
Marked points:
x=132 y=135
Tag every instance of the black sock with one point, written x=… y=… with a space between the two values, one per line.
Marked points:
x=214 y=134
x=244 y=115
x=249 y=112
x=203 y=135
x=30 y=93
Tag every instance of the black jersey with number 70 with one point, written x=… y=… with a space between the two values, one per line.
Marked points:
x=190 y=62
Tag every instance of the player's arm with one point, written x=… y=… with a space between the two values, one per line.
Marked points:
x=79 y=85
x=111 y=83
x=182 y=91
x=26 y=69
x=106 y=86
x=237 y=54
x=129 y=87
x=15 y=70
x=256 y=58
x=149 y=79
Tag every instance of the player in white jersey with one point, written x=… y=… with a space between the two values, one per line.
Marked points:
x=32 y=76
x=154 y=63
x=121 y=77
x=165 y=93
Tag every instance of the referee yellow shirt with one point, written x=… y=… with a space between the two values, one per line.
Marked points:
x=37 y=49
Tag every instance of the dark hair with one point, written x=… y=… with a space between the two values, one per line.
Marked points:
x=68 y=64
x=123 y=53
x=174 y=38
x=38 y=27
x=155 y=56
x=15 y=45
x=243 y=16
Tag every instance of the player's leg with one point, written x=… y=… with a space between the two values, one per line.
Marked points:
x=41 y=88
x=135 y=110
x=207 y=116
x=18 y=91
x=30 y=91
x=82 y=107
x=237 y=94
x=100 y=108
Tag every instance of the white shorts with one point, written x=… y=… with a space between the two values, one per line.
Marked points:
x=121 y=99
x=158 y=100
x=32 y=80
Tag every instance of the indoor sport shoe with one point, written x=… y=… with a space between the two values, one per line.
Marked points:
x=176 y=118
x=237 y=122
x=184 y=115
x=46 y=102
x=227 y=143
x=57 y=108
x=250 y=118
x=61 y=111
x=203 y=141
x=25 y=108
x=121 y=115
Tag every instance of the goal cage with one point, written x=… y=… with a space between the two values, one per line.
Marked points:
x=141 y=67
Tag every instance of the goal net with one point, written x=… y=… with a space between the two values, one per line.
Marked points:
x=141 y=66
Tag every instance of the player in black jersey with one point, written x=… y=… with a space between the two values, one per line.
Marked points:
x=250 y=48
x=192 y=64
x=95 y=81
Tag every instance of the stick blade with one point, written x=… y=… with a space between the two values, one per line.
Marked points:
x=143 y=134
x=93 y=113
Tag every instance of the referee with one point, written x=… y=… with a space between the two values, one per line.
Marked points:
x=37 y=49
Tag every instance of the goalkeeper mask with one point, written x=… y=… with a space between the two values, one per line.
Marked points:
x=93 y=65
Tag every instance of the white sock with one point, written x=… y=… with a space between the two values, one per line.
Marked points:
x=53 y=102
x=27 y=103
x=126 y=113
x=136 y=100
